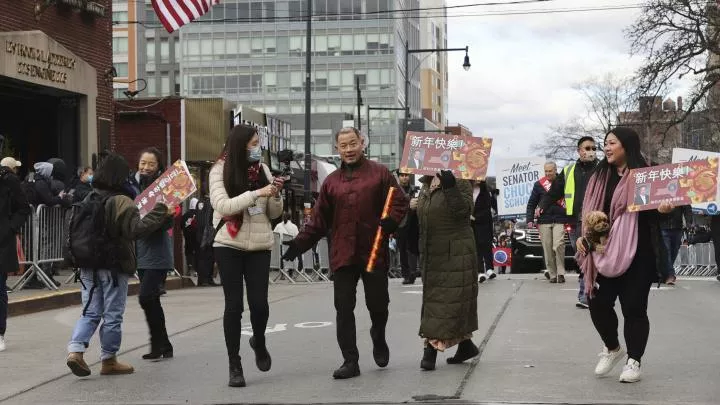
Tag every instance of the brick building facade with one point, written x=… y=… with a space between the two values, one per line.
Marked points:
x=58 y=61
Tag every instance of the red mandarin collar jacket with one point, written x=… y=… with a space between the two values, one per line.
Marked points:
x=349 y=208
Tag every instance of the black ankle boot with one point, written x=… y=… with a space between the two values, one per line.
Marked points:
x=429 y=358
x=164 y=351
x=466 y=350
x=237 y=379
x=263 y=361
x=349 y=369
x=381 y=351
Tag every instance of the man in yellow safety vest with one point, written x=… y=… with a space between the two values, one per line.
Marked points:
x=571 y=184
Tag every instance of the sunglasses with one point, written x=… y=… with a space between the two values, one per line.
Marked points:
x=591 y=148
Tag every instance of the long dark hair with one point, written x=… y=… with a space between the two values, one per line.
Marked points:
x=235 y=169
x=111 y=174
x=630 y=141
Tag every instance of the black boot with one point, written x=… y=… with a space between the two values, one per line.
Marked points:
x=159 y=342
x=349 y=369
x=381 y=351
x=429 y=358
x=466 y=350
x=262 y=356
x=237 y=379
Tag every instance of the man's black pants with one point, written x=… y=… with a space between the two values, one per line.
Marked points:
x=377 y=299
x=483 y=243
x=408 y=261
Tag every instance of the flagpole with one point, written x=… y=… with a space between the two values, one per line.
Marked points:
x=308 y=99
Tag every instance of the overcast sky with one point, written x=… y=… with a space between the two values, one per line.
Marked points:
x=524 y=67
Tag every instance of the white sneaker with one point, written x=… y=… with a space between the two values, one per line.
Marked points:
x=482 y=278
x=2 y=343
x=608 y=361
x=631 y=372
x=491 y=274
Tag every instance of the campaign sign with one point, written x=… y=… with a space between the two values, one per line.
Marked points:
x=502 y=257
x=688 y=155
x=466 y=156
x=171 y=188
x=683 y=183
x=515 y=180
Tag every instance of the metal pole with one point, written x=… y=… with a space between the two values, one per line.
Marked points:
x=407 y=96
x=368 y=130
x=308 y=99
x=167 y=140
x=359 y=102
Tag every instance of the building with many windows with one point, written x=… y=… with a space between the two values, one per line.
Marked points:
x=434 y=68
x=253 y=53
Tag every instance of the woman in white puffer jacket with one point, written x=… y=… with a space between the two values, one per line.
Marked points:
x=245 y=198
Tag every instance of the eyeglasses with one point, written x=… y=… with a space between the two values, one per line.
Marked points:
x=590 y=148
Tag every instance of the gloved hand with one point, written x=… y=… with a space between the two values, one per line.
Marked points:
x=447 y=179
x=388 y=225
x=292 y=252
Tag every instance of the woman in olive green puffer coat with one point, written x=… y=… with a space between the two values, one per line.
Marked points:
x=448 y=261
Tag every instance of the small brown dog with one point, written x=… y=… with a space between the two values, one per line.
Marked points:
x=597 y=227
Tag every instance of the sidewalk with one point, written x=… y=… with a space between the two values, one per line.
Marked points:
x=28 y=301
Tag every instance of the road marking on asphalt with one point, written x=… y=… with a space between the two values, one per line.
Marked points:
x=312 y=324
x=412 y=292
x=283 y=327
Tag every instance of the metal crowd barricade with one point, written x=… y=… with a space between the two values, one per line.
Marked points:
x=47 y=236
x=696 y=260
x=276 y=262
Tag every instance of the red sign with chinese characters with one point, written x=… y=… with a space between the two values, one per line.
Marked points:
x=678 y=184
x=466 y=156
x=171 y=188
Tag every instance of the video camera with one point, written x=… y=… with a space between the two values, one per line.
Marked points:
x=413 y=191
x=285 y=157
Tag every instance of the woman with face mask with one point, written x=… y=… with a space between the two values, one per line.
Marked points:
x=154 y=261
x=245 y=198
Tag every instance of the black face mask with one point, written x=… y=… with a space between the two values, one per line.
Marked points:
x=146 y=181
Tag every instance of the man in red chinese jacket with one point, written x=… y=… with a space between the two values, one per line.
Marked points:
x=349 y=208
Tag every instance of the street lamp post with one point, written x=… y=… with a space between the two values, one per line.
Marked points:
x=308 y=122
x=466 y=66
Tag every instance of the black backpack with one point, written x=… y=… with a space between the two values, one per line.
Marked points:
x=28 y=187
x=87 y=242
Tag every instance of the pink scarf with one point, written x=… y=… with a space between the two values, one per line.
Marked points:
x=622 y=240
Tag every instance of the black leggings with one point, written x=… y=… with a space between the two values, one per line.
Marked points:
x=235 y=264
x=633 y=289
x=149 y=297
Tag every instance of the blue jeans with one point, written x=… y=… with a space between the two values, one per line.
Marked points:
x=107 y=304
x=574 y=235
x=3 y=303
x=673 y=240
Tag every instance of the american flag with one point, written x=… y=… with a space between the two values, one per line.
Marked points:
x=174 y=14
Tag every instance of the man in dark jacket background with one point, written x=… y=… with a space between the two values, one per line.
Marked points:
x=482 y=223
x=349 y=207
x=14 y=210
x=407 y=233
x=551 y=224
x=672 y=227
x=571 y=185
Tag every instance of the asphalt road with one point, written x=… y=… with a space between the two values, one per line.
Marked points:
x=536 y=347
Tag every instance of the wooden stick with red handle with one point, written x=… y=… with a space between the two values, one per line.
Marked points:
x=379 y=234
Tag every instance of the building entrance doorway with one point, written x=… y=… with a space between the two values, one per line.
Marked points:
x=39 y=123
